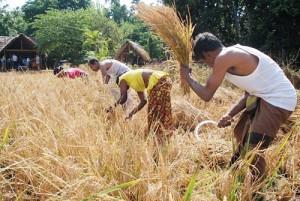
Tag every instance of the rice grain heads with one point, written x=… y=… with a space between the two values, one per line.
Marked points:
x=168 y=25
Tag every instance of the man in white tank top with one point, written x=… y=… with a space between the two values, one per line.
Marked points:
x=262 y=80
x=111 y=70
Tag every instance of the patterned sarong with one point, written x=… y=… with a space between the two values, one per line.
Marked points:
x=159 y=109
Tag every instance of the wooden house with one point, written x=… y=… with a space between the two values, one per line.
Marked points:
x=21 y=45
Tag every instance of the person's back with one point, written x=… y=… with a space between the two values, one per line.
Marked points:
x=114 y=68
x=28 y=61
x=14 y=58
x=37 y=61
x=117 y=68
x=267 y=81
x=134 y=79
x=75 y=72
x=158 y=87
x=142 y=79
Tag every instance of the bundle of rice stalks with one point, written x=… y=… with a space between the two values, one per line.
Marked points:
x=186 y=115
x=293 y=76
x=172 y=29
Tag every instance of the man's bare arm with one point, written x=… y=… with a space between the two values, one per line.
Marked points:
x=204 y=92
x=239 y=106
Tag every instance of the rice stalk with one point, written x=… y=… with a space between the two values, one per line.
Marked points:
x=5 y=137
x=191 y=185
x=56 y=150
x=275 y=172
x=169 y=26
x=112 y=189
x=282 y=145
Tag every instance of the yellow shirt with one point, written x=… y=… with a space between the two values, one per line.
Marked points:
x=135 y=80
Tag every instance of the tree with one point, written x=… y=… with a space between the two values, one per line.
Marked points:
x=4 y=19
x=95 y=45
x=117 y=12
x=59 y=33
x=108 y=27
x=279 y=24
x=17 y=24
x=11 y=22
x=269 y=25
x=217 y=16
x=140 y=33
x=62 y=33
x=32 y=8
x=131 y=28
x=72 y=4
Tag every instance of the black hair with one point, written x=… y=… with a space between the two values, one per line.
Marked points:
x=58 y=70
x=118 y=77
x=93 y=61
x=205 y=42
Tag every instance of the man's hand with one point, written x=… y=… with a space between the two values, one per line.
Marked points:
x=109 y=109
x=225 y=121
x=185 y=71
x=129 y=117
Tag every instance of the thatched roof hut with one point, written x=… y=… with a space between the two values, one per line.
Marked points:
x=20 y=45
x=132 y=53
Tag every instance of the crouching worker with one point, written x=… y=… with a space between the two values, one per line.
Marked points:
x=158 y=89
x=269 y=97
x=70 y=72
x=110 y=70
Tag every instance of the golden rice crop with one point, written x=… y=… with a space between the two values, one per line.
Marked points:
x=166 y=23
x=58 y=143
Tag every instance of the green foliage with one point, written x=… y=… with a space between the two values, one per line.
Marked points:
x=131 y=28
x=237 y=21
x=11 y=22
x=34 y=8
x=117 y=12
x=278 y=21
x=4 y=139
x=108 y=28
x=279 y=151
x=269 y=25
x=209 y=15
x=95 y=45
x=72 y=4
x=59 y=33
x=3 y=21
x=156 y=48
x=191 y=185
x=139 y=32
x=127 y=29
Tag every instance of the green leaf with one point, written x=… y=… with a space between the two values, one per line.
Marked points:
x=191 y=185
x=5 y=137
x=115 y=188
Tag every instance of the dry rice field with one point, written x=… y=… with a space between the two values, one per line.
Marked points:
x=58 y=143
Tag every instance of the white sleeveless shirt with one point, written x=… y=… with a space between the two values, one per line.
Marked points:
x=267 y=81
x=117 y=68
